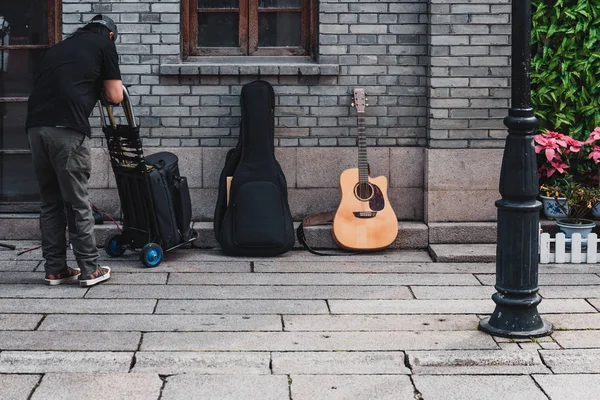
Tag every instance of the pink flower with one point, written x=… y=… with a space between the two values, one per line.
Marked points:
x=550 y=153
x=561 y=151
x=595 y=135
x=554 y=135
x=548 y=143
x=595 y=154
x=557 y=166
x=574 y=145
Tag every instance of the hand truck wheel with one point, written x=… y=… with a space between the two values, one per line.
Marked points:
x=113 y=246
x=151 y=255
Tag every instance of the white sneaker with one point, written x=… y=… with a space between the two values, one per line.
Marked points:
x=66 y=276
x=101 y=274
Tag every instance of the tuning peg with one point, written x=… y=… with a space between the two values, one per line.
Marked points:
x=367 y=104
x=366 y=98
x=352 y=104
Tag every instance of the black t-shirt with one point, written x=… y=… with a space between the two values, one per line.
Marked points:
x=71 y=79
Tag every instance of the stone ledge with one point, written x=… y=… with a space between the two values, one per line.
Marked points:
x=19 y=226
x=411 y=235
x=245 y=66
x=474 y=232
x=463 y=252
x=462 y=232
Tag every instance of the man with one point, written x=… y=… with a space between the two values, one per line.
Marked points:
x=74 y=74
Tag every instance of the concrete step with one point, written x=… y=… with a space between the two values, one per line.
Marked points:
x=19 y=227
x=411 y=235
x=473 y=232
x=485 y=252
x=462 y=232
x=469 y=241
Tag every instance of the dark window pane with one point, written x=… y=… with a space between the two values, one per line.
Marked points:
x=218 y=29
x=17 y=178
x=218 y=3
x=25 y=20
x=280 y=3
x=18 y=69
x=12 y=126
x=279 y=29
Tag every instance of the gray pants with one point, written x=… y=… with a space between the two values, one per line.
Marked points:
x=63 y=163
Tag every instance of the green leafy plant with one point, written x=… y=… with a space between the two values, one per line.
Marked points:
x=565 y=67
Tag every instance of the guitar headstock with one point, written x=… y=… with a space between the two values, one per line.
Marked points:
x=359 y=100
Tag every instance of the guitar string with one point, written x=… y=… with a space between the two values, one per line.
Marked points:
x=363 y=179
x=362 y=158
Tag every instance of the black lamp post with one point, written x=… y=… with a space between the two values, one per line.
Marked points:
x=516 y=314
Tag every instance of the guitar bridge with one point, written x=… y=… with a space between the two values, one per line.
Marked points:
x=365 y=214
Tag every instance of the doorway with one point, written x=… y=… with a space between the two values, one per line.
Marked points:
x=27 y=28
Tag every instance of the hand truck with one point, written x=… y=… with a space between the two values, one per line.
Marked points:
x=140 y=225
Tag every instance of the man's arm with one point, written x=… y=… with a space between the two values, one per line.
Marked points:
x=111 y=75
x=113 y=90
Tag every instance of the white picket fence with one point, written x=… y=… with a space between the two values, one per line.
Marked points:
x=560 y=253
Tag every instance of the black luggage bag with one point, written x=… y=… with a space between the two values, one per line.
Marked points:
x=155 y=199
x=256 y=221
x=171 y=197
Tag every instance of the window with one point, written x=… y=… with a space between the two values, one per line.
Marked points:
x=27 y=27
x=249 y=27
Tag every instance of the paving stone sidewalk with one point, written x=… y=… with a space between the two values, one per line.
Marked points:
x=205 y=326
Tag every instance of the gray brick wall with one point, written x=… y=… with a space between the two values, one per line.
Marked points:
x=379 y=45
x=469 y=73
x=436 y=73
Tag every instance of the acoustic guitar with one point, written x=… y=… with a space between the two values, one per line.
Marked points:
x=364 y=219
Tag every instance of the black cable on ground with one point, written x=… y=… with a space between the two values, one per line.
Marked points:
x=96 y=209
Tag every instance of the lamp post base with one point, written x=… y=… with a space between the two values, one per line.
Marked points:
x=545 y=330
x=516 y=318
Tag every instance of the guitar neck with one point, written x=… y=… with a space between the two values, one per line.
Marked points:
x=363 y=163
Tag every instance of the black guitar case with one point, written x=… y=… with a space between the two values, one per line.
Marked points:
x=257 y=221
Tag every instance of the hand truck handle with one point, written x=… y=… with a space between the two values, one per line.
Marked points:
x=127 y=108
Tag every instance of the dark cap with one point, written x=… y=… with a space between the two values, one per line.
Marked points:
x=107 y=22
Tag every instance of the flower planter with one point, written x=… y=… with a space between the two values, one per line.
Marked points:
x=584 y=228
x=551 y=209
x=596 y=211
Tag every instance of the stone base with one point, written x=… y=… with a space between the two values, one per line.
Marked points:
x=444 y=239
x=312 y=175
x=19 y=227
x=463 y=252
x=462 y=232
x=411 y=235
x=545 y=330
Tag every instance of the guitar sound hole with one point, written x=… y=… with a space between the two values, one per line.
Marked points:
x=363 y=191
